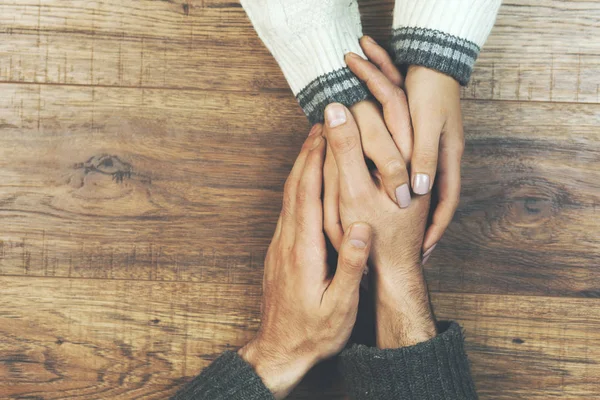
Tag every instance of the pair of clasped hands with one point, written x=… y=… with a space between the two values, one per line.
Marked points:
x=376 y=216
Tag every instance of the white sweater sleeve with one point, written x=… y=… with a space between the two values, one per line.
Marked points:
x=445 y=35
x=309 y=39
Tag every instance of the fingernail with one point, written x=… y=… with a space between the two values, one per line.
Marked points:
x=429 y=251
x=359 y=235
x=421 y=184
x=369 y=39
x=425 y=259
x=317 y=142
x=313 y=130
x=403 y=196
x=352 y=55
x=335 y=115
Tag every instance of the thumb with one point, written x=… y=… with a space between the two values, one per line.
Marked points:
x=352 y=260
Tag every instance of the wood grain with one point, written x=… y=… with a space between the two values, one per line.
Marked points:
x=143 y=150
x=126 y=339
x=530 y=185
x=116 y=339
x=527 y=347
x=538 y=50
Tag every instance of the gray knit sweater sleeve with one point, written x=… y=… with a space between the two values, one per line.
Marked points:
x=441 y=34
x=227 y=378
x=437 y=369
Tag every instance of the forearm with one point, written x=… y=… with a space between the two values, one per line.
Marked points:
x=309 y=39
x=412 y=360
x=403 y=315
x=445 y=35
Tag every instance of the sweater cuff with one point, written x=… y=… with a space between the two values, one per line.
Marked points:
x=339 y=86
x=229 y=377
x=309 y=40
x=436 y=369
x=315 y=69
x=447 y=54
x=442 y=35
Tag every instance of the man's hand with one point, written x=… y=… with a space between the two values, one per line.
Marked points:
x=434 y=103
x=403 y=315
x=307 y=316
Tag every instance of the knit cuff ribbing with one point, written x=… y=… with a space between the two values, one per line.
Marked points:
x=309 y=40
x=229 y=377
x=340 y=86
x=437 y=50
x=437 y=369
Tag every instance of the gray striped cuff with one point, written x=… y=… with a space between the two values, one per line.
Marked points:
x=437 y=50
x=340 y=86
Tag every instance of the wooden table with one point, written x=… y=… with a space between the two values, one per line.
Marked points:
x=143 y=149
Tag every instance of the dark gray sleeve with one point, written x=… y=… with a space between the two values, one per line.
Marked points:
x=227 y=378
x=437 y=369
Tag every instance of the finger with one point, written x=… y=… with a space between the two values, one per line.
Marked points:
x=448 y=188
x=380 y=57
x=352 y=261
x=425 y=154
x=291 y=184
x=309 y=208
x=331 y=201
x=379 y=147
x=392 y=99
x=344 y=139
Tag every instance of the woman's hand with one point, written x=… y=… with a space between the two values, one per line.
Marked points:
x=434 y=103
x=307 y=316
x=387 y=151
x=401 y=299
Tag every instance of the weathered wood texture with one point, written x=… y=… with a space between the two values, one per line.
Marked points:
x=143 y=150
x=108 y=339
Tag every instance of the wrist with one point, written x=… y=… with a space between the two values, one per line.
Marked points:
x=403 y=312
x=279 y=371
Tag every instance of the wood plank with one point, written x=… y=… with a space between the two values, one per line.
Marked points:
x=526 y=347
x=538 y=50
x=108 y=339
x=84 y=339
x=110 y=187
x=528 y=221
x=123 y=339
x=202 y=174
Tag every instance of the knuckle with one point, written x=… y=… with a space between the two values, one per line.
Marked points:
x=289 y=186
x=343 y=144
x=399 y=94
x=427 y=157
x=301 y=197
x=393 y=168
x=355 y=260
x=287 y=207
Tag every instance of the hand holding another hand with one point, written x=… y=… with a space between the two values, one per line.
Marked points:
x=427 y=103
x=401 y=298
x=307 y=315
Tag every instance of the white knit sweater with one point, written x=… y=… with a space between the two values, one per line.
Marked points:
x=309 y=39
